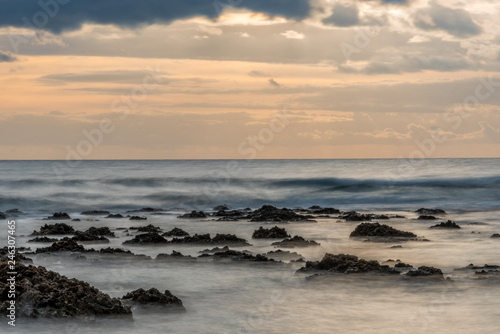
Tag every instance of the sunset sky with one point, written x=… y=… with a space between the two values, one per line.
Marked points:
x=198 y=79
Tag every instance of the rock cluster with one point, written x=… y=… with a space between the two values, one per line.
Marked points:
x=448 y=224
x=55 y=229
x=379 y=230
x=296 y=241
x=269 y=213
x=153 y=297
x=271 y=233
x=346 y=264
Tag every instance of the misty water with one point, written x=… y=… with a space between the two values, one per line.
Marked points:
x=239 y=297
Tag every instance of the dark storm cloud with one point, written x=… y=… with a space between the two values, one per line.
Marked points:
x=60 y=15
x=6 y=57
x=343 y=16
x=456 y=22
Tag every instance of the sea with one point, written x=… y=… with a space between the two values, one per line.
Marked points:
x=239 y=297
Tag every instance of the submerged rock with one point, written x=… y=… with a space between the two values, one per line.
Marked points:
x=229 y=213
x=64 y=245
x=147 y=238
x=100 y=231
x=84 y=236
x=41 y=293
x=425 y=211
x=194 y=214
x=2 y=215
x=58 y=216
x=296 y=241
x=147 y=210
x=355 y=216
x=138 y=218
x=379 y=230
x=115 y=216
x=448 y=224
x=55 y=229
x=176 y=232
x=147 y=229
x=14 y=212
x=242 y=256
x=271 y=233
x=269 y=213
x=110 y=250
x=95 y=213
x=153 y=297
x=174 y=256
x=425 y=271
x=222 y=207
x=43 y=239
x=323 y=211
x=206 y=239
x=496 y=235
x=346 y=264
x=426 y=217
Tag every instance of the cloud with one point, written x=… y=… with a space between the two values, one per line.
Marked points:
x=456 y=22
x=259 y=74
x=6 y=57
x=131 y=13
x=274 y=83
x=134 y=77
x=343 y=16
x=292 y=34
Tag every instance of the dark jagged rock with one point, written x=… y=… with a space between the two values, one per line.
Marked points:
x=206 y=239
x=115 y=216
x=55 y=229
x=43 y=239
x=76 y=220
x=176 y=232
x=6 y=254
x=227 y=219
x=402 y=265
x=110 y=250
x=84 y=236
x=346 y=264
x=194 y=214
x=296 y=241
x=14 y=212
x=448 y=224
x=271 y=233
x=153 y=297
x=396 y=246
x=222 y=207
x=228 y=238
x=147 y=238
x=65 y=245
x=269 y=213
x=379 y=230
x=174 y=256
x=231 y=213
x=2 y=215
x=323 y=211
x=147 y=229
x=424 y=211
x=138 y=218
x=283 y=255
x=95 y=213
x=353 y=216
x=147 y=210
x=242 y=256
x=496 y=235
x=41 y=293
x=58 y=216
x=485 y=267
x=214 y=250
x=100 y=231
x=425 y=271
x=426 y=217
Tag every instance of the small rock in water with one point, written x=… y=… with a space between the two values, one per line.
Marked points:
x=425 y=211
x=95 y=213
x=296 y=241
x=55 y=229
x=194 y=214
x=58 y=216
x=496 y=235
x=153 y=297
x=176 y=232
x=138 y=218
x=448 y=224
x=271 y=233
x=379 y=230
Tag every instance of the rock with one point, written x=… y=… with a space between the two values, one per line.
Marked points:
x=496 y=235
x=271 y=233
x=110 y=250
x=346 y=264
x=43 y=239
x=14 y=212
x=95 y=213
x=64 y=245
x=396 y=246
x=379 y=230
x=269 y=213
x=425 y=271
x=115 y=216
x=2 y=215
x=283 y=255
x=402 y=265
x=41 y=293
x=214 y=250
x=194 y=214
x=296 y=241
x=147 y=210
x=473 y=267
x=147 y=229
x=241 y=256
x=147 y=238
x=232 y=213
x=323 y=211
x=176 y=232
x=222 y=207
x=227 y=219
x=424 y=211
x=206 y=239
x=426 y=217
x=84 y=236
x=6 y=255
x=228 y=238
x=76 y=220
x=55 y=229
x=58 y=216
x=138 y=218
x=174 y=256
x=353 y=216
x=448 y=224
x=100 y=231
x=153 y=297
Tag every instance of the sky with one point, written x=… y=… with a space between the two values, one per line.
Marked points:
x=249 y=79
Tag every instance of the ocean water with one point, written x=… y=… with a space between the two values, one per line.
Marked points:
x=234 y=297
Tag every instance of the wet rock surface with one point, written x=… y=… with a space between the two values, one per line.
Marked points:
x=270 y=233
x=105 y=231
x=46 y=294
x=206 y=239
x=147 y=229
x=296 y=241
x=117 y=215
x=153 y=297
x=447 y=225
x=379 y=230
x=64 y=245
x=426 y=217
x=269 y=213
x=146 y=238
x=496 y=235
x=193 y=214
x=138 y=218
x=241 y=256
x=176 y=232
x=44 y=239
x=425 y=211
x=54 y=229
x=2 y=215
x=346 y=264
x=58 y=216
x=174 y=256
x=425 y=271
x=84 y=236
